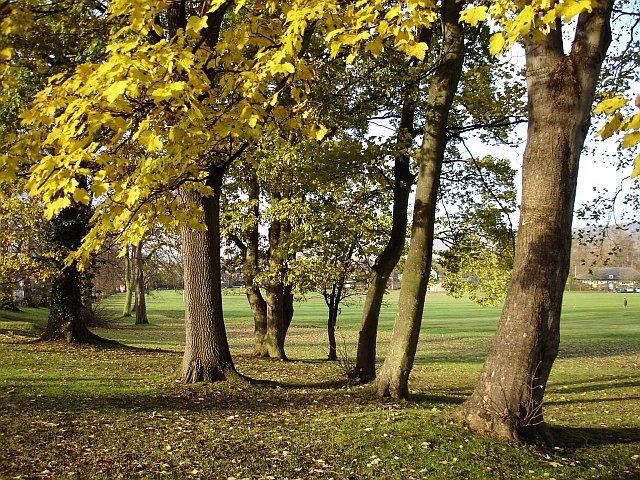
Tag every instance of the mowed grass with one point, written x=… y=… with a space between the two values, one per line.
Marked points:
x=68 y=412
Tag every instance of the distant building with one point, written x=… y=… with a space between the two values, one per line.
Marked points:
x=612 y=278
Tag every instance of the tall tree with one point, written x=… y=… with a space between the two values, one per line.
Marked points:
x=141 y=301
x=394 y=374
x=507 y=400
x=129 y=281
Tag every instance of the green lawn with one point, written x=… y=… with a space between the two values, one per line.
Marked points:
x=70 y=412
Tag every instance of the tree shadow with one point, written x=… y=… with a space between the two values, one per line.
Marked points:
x=572 y=438
x=605 y=385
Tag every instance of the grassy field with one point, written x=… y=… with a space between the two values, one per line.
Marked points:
x=69 y=412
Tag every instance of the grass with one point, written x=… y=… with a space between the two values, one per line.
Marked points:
x=68 y=412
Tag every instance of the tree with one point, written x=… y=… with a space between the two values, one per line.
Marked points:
x=507 y=400
x=129 y=280
x=476 y=229
x=141 y=301
x=393 y=377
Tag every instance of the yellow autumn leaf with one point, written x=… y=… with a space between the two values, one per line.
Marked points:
x=321 y=132
x=151 y=141
x=419 y=50
x=474 y=15
x=611 y=127
x=115 y=90
x=5 y=53
x=496 y=44
x=195 y=24
x=636 y=170
x=610 y=105
x=570 y=8
x=80 y=195
x=630 y=139
x=376 y=47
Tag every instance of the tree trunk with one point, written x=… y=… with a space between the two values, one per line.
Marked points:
x=394 y=374
x=129 y=275
x=365 y=367
x=141 y=302
x=330 y=300
x=333 y=302
x=66 y=319
x=207 y=357
x=279 y=296
x=507 y=401
x=275 y=296
x=250 y=270
x=331 y=331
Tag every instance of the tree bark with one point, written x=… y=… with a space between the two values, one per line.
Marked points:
x=129 y=275
x=250 y=270
x=394 y=374
x=332 y=300
x=276 y=322
x=365 y=368
x=141 y=302
x=66 y=319
x=207 y=357
x=507 y=401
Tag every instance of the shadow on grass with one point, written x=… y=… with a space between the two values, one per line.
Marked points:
x=450 y=398
x=579 y=437
x=592 y=400
x=621 y=382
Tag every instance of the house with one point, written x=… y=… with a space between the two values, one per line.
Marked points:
x=611 y=278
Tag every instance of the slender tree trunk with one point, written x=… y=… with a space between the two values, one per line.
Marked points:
x=507 y=400
x=66 y=318
x=333 y=302
x=250 y=270
x=331 y=331
x=394 y=374
x=365 y=367
x=141 y=302
x=207 y=357
x=330 y=300
x=129 y=275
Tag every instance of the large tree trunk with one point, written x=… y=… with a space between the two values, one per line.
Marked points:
x=129 y=276
x=365 y=367
x=141 y=302
x=67 y=319
x=207 y=357
x=394 y=374
x=507 y=400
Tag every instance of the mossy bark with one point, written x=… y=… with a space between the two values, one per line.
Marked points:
x=67 y=316
x=394 y=374
x=507 y=401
